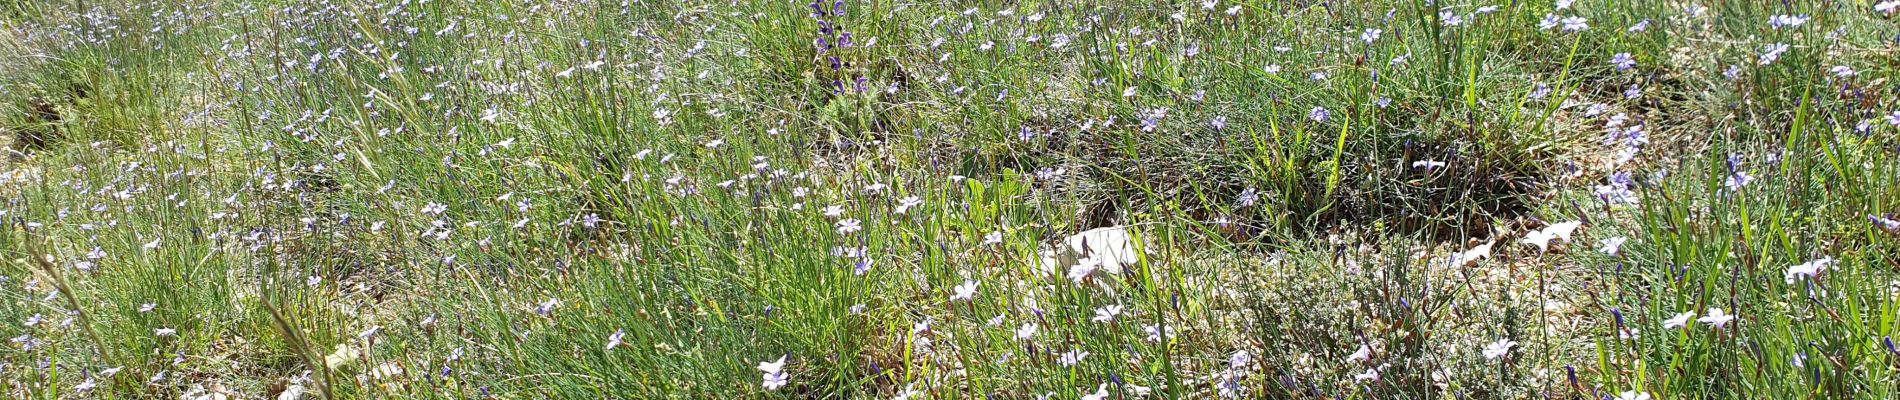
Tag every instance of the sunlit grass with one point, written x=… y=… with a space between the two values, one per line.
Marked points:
x=448 y=199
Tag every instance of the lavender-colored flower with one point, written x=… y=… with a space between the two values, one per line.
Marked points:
x=1787 y=21
x=1247 y=198
x=1772 y=52
x=1575 y=24
x=1623 y=61
x=1319 y=114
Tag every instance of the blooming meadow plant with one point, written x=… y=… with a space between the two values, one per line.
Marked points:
x=1053 y=200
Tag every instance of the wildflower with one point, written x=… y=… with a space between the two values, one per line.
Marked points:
x=1369 y=375
x=148 y=307
x=152 y=244
x=1071 y=357
x=849 y=225
x=1247 y=198
x=1842 y=71
x=1623 y=61
x=1678 y=321
x=1772 y=52
x=993 y=238
x=774 y=377
x=1887 y=7
x=1716 y=319
x=547 y=307
x=1026 y=331
x=1733 y=72
x=1640 y=26
x=1128 y=92
x=1107 y=313
x=904 y=205
x=1808 y=269
x=1101 y=393
x=1887 y=223
x=1370 y=35
x=1541 y=238
x=1449 y=18
x=1472 y=256
x=1575 y=24
x=1230 y=387
x=1428 y=164
x=833 y=212
x=1158 y=333
x=1240 y=358
x=1364 y=353
x=1632 y=395
x=614 y=340
x=1550 y=21
x=1083 y=269
x=965 y=291
x=1319 y=114
x=1894 y=118
x=1498 y=348
x=1787 y=21
x=1219 y=123
x=1612 y=246
x=162 y=332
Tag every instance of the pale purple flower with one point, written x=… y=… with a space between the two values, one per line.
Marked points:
x=1772 y=52
x=1319 y=114
x=1575 y=24
x=1623 y=61
x=615 y=340
x=1787 y=21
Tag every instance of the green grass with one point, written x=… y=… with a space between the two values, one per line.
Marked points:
x=452 y=199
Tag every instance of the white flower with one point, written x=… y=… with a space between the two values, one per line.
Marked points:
x=1716 y=319
x=1026 y=332
x=1072 y=357
x=1369 y=375
x=1107 y=313
x=903 y=206
x=1364 y=353
x=1678 y=321
x=1542 y=237
x=1808 y=269
x=1083 y=269
x=775 y=376
x=965 y=291
x=1101 y=393
x=1498 y=348
x=849 y=225
x=1632 y=395
x=1472 y=256
x=614 y=340
x=1612 y=246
